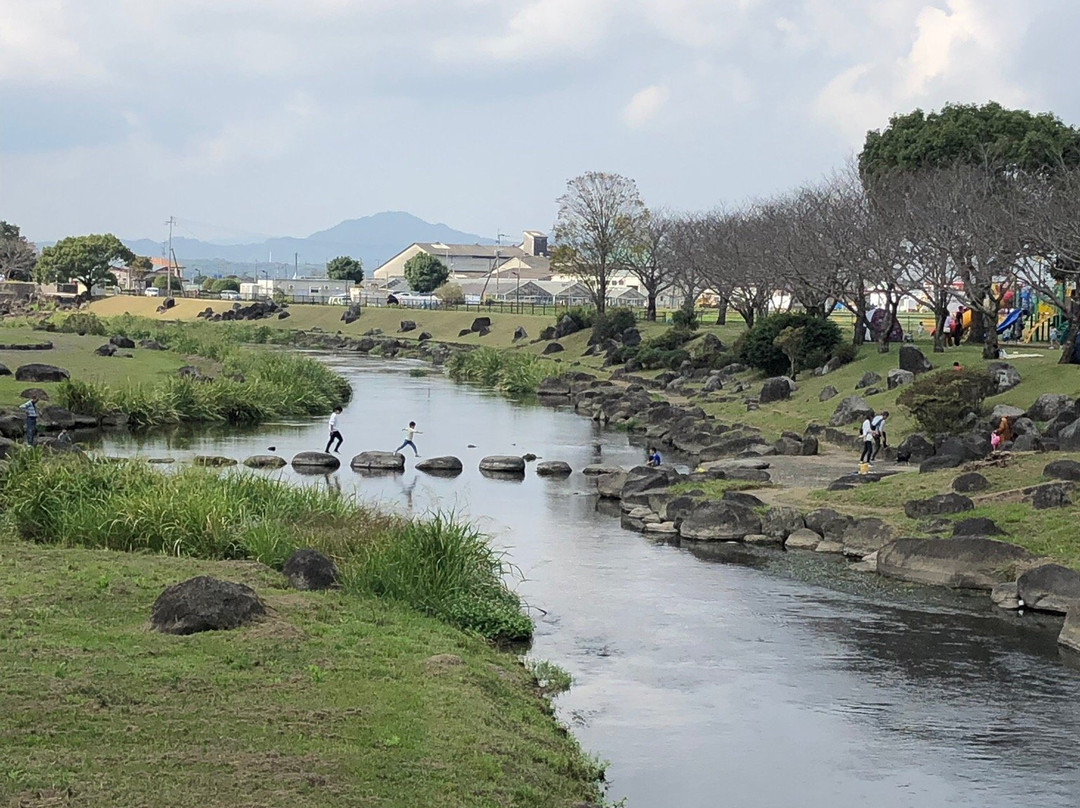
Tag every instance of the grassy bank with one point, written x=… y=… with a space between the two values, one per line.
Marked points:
x=440 y=566
x=1050 y=532
x=513 y=372
x=337 y=699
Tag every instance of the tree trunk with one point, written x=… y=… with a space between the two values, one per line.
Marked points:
x=601 y=293
x=721 y=317
x=650 y=312
x=978 y=332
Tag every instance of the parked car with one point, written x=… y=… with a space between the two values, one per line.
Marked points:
x=152 y=291
x=229 y=294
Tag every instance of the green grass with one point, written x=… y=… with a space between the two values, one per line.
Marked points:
x=714 y=489
x=513 y=372
x=336 y=699
x=1050 y=532
x=439 y=565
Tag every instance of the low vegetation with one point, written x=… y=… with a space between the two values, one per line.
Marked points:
x=513 y=372
x=440 y=566
x=944 y=401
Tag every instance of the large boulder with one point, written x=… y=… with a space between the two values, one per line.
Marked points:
x=553 y=468
x=719 y=521
x=969 y=562
x=851 y=410
x=937 y=505
x=938 y=462
x=315 y=462
x=205 y=604
x=37 y=372
x=802 y=539
x=897 y=377
x=310 y=570
x=445 y=465
x=1069 y=436
x=779 y=522
x=828 y=523
x=643 y=480
x=868 y=379
x=264 y=462
x=865 y=536
x=1005 y=411
x=121 y=341
x=480 y=323
x=912 y=359
x=1003 y=376
x=1049 y=495
x=1049 y=406
x=828 y=392
x=775 y=389
x=520 y=333
x=378 y=461
x=504 y=464
x=1070 y=632
x=610 y=486
x=915 y=448
x=406 y=326
x=553 y=347
x=1049 y=588
x=213 y=461
x=976 y=526
x=970 y=483
x=1062 y=470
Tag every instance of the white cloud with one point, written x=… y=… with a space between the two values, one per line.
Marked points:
x=644 y=106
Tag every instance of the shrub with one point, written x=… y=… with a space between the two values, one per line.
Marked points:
x=845 y=353
x=161 y=281
x=686 y=318
x=757 y=348
x=83 y=322
x=942 y=401
x=220 y=285
x=612 y=323
x=513 y=372
x=671 y=339
x=582 y=316
x=450 y=294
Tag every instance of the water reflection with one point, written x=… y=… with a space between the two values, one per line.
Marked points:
x=716 y=674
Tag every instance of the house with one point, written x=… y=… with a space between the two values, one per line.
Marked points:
x=297 y=290
x=467 y=261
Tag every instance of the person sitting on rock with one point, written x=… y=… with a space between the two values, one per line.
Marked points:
x=654 y=457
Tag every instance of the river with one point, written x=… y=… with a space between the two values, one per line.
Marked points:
x=724 y=677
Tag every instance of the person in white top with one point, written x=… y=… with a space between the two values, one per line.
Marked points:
x=334 y=434
x=877 y=424
x=409 y=431
x=868 y=442
x=30 y=408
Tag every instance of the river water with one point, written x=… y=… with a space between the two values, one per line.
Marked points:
x=722 y=677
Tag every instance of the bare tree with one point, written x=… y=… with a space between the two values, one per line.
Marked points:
x=739 y=270
x=690 y=256
x=650 y=258
x=17 y=255
x=595 y=230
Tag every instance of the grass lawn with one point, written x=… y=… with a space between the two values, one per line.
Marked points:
x=76 y=355
x=1050 y=532
x=334 y=700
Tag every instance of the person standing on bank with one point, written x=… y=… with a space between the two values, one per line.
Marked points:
x=877 y=424
x=409 y=431
x=868 y=442
x=958 y=327
x=334 y=434
x=30 y=407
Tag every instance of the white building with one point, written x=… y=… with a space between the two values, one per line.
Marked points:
x=469 y=261
x=298 y=290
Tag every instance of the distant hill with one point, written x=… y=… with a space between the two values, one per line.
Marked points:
x=373 y=239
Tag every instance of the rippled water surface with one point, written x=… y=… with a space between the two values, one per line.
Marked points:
x=723 y=677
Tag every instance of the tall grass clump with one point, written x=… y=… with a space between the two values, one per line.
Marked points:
x=439 y=566
x=513 y=372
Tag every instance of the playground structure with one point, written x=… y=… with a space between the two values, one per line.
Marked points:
x=1035 y=320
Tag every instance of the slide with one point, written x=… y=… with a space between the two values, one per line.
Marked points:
x=1030 y=335
x=1009 y=321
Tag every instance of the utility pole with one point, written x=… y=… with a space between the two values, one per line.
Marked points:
x=168 y=276
x=295 y=264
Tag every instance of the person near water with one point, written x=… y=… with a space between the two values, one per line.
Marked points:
x=30 y=408
x=409 y=431
x=868 y=442
x=334 y=434
x=654 y=457
x=877 y=424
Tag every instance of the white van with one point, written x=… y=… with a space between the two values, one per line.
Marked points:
x=152 y=291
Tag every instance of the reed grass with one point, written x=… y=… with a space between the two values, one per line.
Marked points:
x=513 y=372
x=439 y=565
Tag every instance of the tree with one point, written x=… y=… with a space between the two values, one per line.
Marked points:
x=161 y=281
x=649 y=259
x=425 y=273
x=596 y=229
x=88 y=260
x=1009 y=139
x=17 y=255
x=345 y=268
x=219 y=285
x=450 y=294
x=139 y=267
x=789 y=341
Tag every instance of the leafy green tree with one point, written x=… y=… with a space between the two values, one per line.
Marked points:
x=819 y=338
x=88 y=260
x=17 y=255
x=345 y=268
x=220 y=285
x=789 y=341
x=1006 y=139
x=161 y=281
x=450 y=294
x=139 y=267
x=425 y=273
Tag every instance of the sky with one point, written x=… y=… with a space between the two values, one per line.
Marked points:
x=253 y=118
